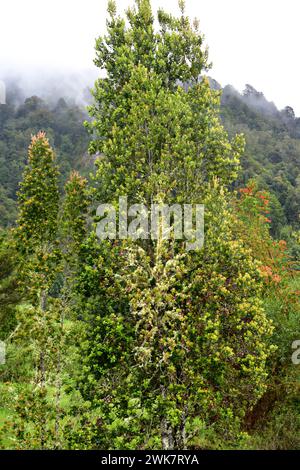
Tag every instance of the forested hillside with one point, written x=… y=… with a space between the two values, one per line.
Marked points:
x=121 y=329
x=272 y=152
x=21 y=118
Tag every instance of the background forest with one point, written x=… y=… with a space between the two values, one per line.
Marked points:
x=271 y=154
x=138 y=344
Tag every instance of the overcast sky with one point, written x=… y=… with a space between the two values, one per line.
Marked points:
x=253 y=41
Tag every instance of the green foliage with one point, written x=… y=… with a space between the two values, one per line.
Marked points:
x=141 y=344
x=74 y=213
x=171 y=337
x=38 y=196
x=269 y=422
x=40 y=332
x=173 y=139
x=9 y=292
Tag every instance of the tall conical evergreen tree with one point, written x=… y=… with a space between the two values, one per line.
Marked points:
x=175 y=340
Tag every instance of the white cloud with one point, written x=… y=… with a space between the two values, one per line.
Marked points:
x=250 y=42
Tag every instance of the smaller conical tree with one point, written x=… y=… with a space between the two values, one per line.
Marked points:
x=38 y=196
